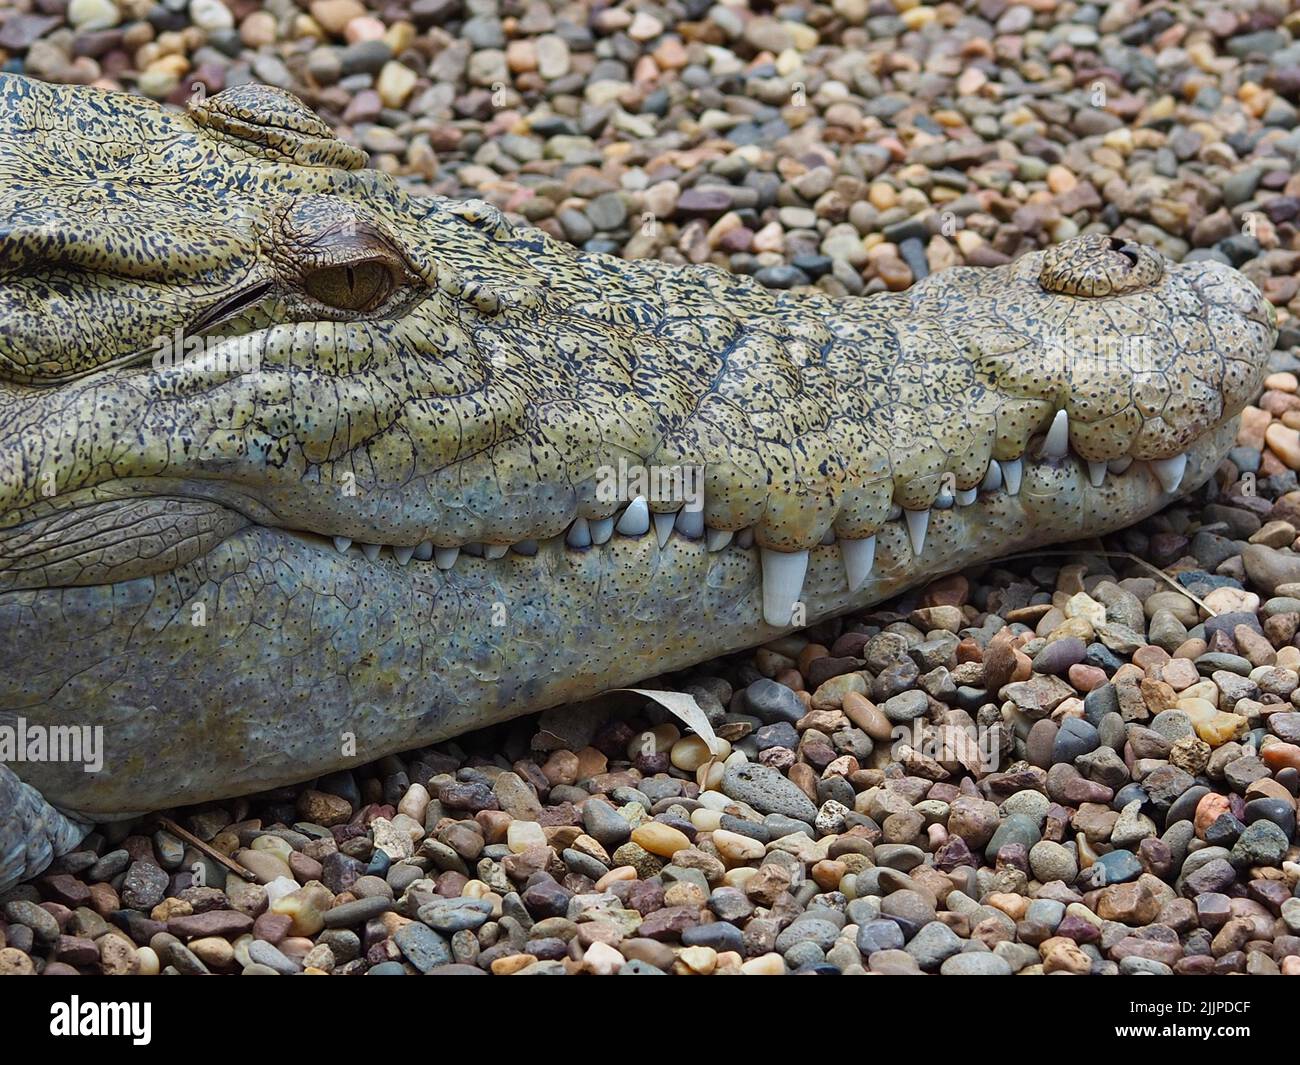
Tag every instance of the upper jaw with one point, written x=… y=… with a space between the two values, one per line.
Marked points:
x=120 y=531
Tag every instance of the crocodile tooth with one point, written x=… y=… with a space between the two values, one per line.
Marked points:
x=1120 y=465
x=1057 y=443
x=424 y=551
x=601 y=530
x=895 y=512
x=717 y=539
x=635 y=521
x=745 y=538
x=664 y=523
x=579 y=535
x=992 y=477
x=527 y=548
x=859 y=556
x=371 y=551
x=403 y=554
x=1096 y=473
x=690 y=522
x=474 y=550
x=341 y=544
x=1170 y=471
x=445 y=557
x=783 y=574
x=918 y=521
x=964 y=497
x=495 y=551
x=1012 y=471
x=945 y=499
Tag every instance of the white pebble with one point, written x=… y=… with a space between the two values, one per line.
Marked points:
x=520 y=835
x=279 y=888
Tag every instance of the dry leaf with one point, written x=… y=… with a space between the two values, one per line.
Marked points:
x=684 y=708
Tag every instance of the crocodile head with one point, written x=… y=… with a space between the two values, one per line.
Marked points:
x=296 y=468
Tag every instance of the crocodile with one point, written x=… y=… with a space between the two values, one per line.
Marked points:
x=299 y=468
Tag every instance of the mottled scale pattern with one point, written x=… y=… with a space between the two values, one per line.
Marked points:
x=467 y=383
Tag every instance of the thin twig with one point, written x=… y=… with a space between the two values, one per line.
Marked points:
x=189 y=837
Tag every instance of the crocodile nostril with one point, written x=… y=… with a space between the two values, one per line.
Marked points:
x=1125 y=249
x=1098 y=266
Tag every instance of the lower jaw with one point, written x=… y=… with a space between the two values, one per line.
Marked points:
x=272 y=660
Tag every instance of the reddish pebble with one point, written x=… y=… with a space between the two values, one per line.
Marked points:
x=791 y=678
x=1281 y=756
x=1085 y=678
x=947 y=591
x=272 y=927
x=809 y=654
x=1211 y=807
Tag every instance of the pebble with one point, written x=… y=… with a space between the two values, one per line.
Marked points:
x=450 y=916
x=660 y=839
x=1050 y=861
x=264 y=953
x=422 y=946
x=934 y=944
x=767 y=791
x=86 y=16
x=772 y=702
x=359 y=911
x=906 y=706
x=144 y=886
x=1119 y=866
x=605 y=824
x=40 y=921
x=983 y=963
x=1075 y=738
x=1016 y=830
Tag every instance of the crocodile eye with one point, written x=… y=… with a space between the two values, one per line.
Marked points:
x=355 y=287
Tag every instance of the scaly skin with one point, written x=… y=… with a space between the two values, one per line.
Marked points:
x=425 y=374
